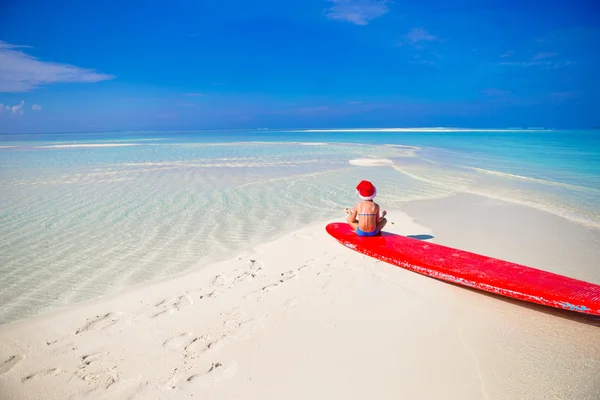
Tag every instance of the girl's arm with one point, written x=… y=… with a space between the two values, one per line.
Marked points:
x=352 y=215
x=380 y=215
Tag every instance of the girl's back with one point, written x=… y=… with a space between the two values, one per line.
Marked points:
x=367 y=215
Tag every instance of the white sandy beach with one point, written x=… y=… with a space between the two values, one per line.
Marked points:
x=306 y=318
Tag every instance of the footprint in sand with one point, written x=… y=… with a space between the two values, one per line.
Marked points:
x=251 y=272
x=220 y=280
x=41 y=374
x=91 y=358
x=208 y=295
x=216 y=288
x=99 y=380
x=288 y=275
x=215 y=345
x=100 y=322
x=256 y=265
x=9 y=363
x=244 y=276
x=249 y=326
x=216 y=374
x=172 y=305
x=284 y=277
x=94 y=373
x=197 y=345
x=236 y=331
x=178 y=341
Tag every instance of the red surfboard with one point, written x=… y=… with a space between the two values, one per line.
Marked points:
x=474 y=270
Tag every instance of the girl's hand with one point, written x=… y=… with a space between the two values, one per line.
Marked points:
x=383 y=213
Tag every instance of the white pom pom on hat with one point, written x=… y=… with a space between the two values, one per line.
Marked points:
x=366 y=190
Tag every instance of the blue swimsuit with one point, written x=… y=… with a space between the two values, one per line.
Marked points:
x=360 y=232
x=363 y=233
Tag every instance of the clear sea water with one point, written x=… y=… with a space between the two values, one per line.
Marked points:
x=86 y=214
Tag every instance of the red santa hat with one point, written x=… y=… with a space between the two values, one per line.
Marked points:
x=366 y=190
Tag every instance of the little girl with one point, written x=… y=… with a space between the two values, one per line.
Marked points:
x=369 y=221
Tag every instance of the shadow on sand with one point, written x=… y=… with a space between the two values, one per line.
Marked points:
x=420 y=237
x=555 y=312
x=582 y=318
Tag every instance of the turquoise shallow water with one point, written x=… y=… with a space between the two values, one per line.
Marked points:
x=84 y=214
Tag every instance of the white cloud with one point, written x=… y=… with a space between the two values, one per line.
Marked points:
x=527 y=63
x=416 y=35
x=541 y=56
x=18 y=109
x=20 y=72
x=193 y=94
x=4 y=45
x=507 y=54
x=547 y=64
x=359 y=12
x=36 y=107
x=417 y=59
x=559 y=97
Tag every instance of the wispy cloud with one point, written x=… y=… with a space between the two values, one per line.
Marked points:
x=417 y=35
x=507 y=54
x=193 y=94
x=559 y=97
x=540 y=63
x=4 y=45
x=359 y=12
x=526 y=63
x=20 y=72
x=541 y=56
x=426 y=58
x=546 y=60
x=36 y=107
x=18 y=109
x=417 y=59
x=543 y=41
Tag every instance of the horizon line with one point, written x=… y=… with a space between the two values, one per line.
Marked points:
x=315 y=130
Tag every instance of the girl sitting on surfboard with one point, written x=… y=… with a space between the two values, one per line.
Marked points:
x=369 y=222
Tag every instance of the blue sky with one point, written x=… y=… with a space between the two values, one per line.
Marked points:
x=127 y=65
